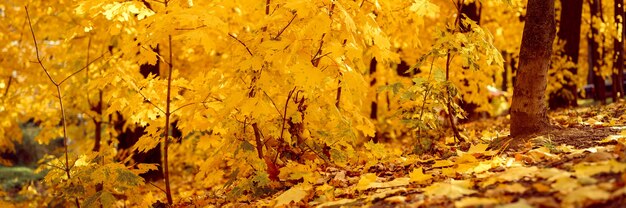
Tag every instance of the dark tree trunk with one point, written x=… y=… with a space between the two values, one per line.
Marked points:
x=127 y=137
x=569 y=31
x=618 y=46
x=596 y=55
x=472 y=11
x=374 y=105
x=528 y=110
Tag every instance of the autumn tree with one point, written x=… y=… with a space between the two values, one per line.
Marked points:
x=529 y=110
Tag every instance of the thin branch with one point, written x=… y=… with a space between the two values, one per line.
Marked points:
x=78 y=71
x=6 y=91
x=32 y=32
x=150 y=102
x=286 y=26
x=189 y=104
x=275 y=106
x=316 y=57
x=54 y=166
x=282 y=130
x=155 y=186
x=191 y=28
x=242 y=43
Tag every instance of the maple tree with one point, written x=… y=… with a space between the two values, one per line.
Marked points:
x=307 y=103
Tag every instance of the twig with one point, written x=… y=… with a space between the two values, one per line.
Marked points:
x=282 y=131
x=150 y=102
x=6 y=91
x=284 y=28
x=189 y=104
x=78 y=71
x=166 y=141
x=275 y=106
x=242 y=43
x=155 y=186
x=315 y=59
x=191 y=28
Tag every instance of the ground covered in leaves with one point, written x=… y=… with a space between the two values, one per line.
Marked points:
x=581 y=163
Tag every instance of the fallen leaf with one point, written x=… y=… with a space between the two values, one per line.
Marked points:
x=442 y=163
x=540 y=187
x=366 y=180
x=565 y=184
x=294 y=194
x=479 y=148
x=337 y=203
x=396 y=182
x=449 y=190
x=475 y=202
x=396 y=199
x=418 y=176
x=519 y=204
x=512 y=188
x=584 y=194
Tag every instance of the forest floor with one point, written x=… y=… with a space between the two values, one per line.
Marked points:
x=580 y=163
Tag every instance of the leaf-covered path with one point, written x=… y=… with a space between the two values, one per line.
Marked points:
x=579 y=164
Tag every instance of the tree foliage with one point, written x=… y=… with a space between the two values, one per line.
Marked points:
x=265 y=93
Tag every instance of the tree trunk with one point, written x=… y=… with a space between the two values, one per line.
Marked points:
x=569 y=31
x=528 y=110
x=618 y=46
x=596 y=55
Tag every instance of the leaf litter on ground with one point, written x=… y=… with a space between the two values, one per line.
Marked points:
x=581 y=163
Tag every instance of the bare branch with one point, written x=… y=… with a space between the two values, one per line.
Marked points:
x=156 y=186
x=242 y=43
x=191 y=28
x=32 y=32
x=150 y=102
x=189 y=104
x=6 y=91
x=284 y=28
x=275 y=106
x=78 y=71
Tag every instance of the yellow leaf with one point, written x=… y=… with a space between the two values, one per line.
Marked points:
x=442 y=163
x=366 y=180
x=425 y=8
x=466 y=158
x=565 y=184
x=519 y=204
x=475 y=202
x=584 y=194
x=294 y=194
x=337 y=203
x=512 y=188
x=512 y=174
x=418 y=176
x=449 y=190
x=479 y=148
x=394 y=183
x=583 y=169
